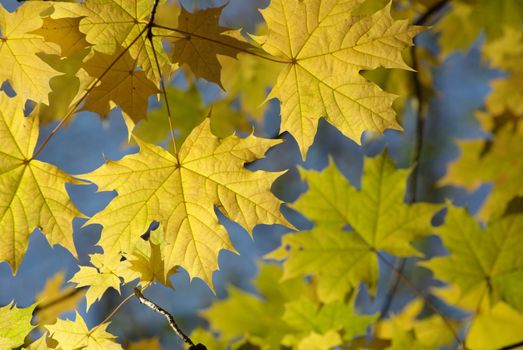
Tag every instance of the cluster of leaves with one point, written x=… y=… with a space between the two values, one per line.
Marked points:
x=99 y=55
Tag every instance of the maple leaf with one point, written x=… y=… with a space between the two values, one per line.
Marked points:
x=109 y=24
x=325 y=47
x=249 y=78
x=506 y=53
x=27 y=73
x=54 y=300
x=468 y=19
x=148 y=259
x=201 y=336
x=202 y=39
x=105 y=274
x=498 y=166
x=147 y=344
x=379 y=221
x=277 y=317
x=503 y=321
x=258 y=320
x=406 y=330
x=65 y=33
x=72 y=335
x=187 y=112
x=40 y=344
x=15 y=325
x=68 y=87
x=121 y=85
x=483 y=263
x=32 y=193
x=181 y=191
x=308 y=317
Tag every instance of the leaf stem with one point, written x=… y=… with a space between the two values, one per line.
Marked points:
x=111 y=315
x=185 y=34
x=162 y=85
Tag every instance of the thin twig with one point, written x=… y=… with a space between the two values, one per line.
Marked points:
x=122 y=303
x=158 y=309
x=418 y=147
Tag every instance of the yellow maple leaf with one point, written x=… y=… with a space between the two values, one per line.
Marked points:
x=148 y=259
x=146 y=344
x=201 y=39
x=121 y=85
x=502 y=321
x=28 y=74
x=32 y=193
x=54 y=300
x=41 y=344
x=109 y=24
x=181 y=192
x=325 y=47
x=106 y=273
x=315 y=341
x=72 y=335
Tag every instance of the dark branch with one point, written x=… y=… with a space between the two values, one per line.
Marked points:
x=418 y=148
x=170 y=319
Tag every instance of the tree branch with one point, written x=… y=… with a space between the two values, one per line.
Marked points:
x=170 y=319
x=418 y=148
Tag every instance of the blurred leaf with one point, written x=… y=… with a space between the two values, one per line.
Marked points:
x=500 y=164
x=54 y=300
x=379 y=221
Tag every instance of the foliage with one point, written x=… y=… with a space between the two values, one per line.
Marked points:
x=197 y=165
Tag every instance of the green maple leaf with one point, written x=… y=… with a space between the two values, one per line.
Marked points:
x=485 y=264
x=379 y=221
x=500 y=165
x=279 y=317
x=15 y=325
